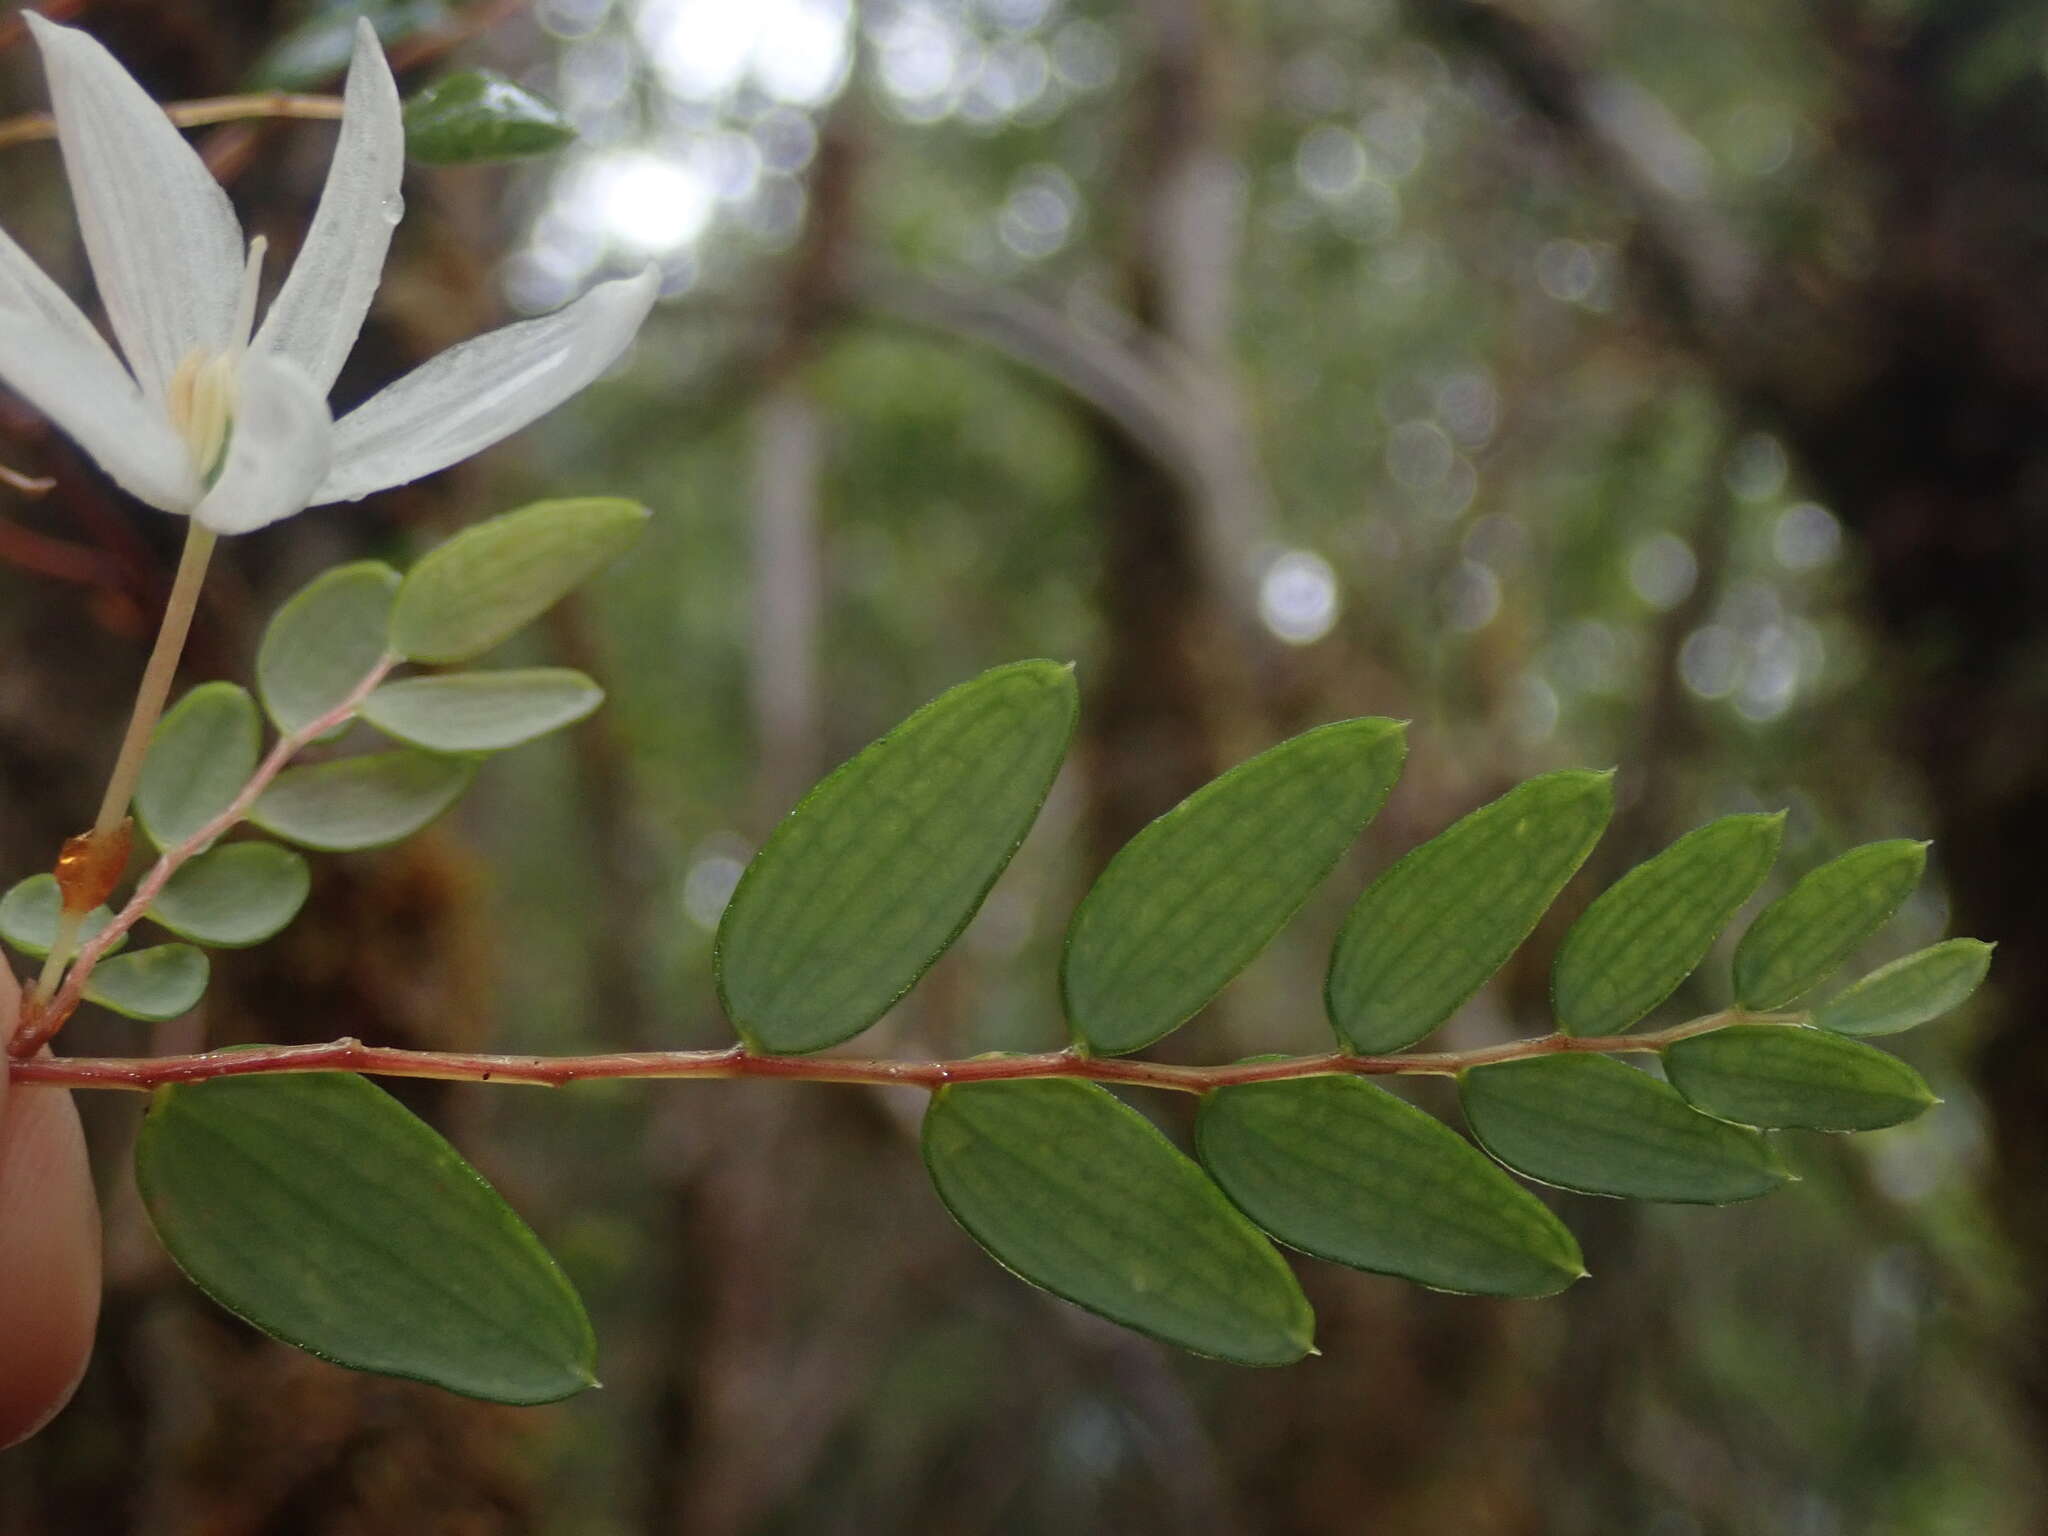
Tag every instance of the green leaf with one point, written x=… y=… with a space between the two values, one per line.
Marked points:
x=489 y=582
x=1910 y=991
x=1784 y=1075
x=1344 y=1170
x=882 y=865
x=477 y=115
x=1803 y=937
x=155 y=984
x=203 y=752
x=318 y=49
x=1194 y=896
x=324 y=642
x=1591 y=1124
x=317 y=1208
x=1433 y=928
x=1649 y=931
x=234 y=896
x=361 y=802
x=29 y=913
x=482 y=711
x=1072 y=1190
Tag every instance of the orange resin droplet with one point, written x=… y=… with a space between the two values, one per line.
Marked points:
x=90 y=866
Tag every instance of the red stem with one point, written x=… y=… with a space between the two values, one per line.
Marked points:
x=147 y=1072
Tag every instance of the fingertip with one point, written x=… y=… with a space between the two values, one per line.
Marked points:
x=49 y=1257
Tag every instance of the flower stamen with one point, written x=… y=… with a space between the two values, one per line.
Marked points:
x=200 y=398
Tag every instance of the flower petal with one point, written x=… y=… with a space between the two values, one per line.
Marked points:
x=164 y=244
x=281 y=445
x=52 y=357
x=476 y=393
x=319 y=311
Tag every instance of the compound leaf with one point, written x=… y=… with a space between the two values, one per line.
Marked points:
x=881 y=866
x=1076 y=1192
x=1803 y=937
x=489 y=582
x=318 y=1208
x=1909 y=991
x=361 y=802
x=203 y=752
x=1342 y=1169
x=1649 y=931
x=155 y=984
x=1193 y=897
x=324 y=642
x=478 y=115
x=1591 y=1124
x=1780 y=1075
x=29 y=914
x=234 y=896
x=1432 y=929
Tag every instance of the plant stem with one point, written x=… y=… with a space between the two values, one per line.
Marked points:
x=145 y=1073
x=32 y=126
x=47 y=1020
x=155 y=688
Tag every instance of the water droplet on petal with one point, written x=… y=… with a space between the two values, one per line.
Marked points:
x=392 y=207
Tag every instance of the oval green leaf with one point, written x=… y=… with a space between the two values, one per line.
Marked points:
x=203 y=752
x=29 y=913
x=1192 y=898
x=324 y=642
x=361 y=802
x=1648 y=931
x=1342 y=1169
x=477 y=115
x=1787 y=1076
x=155 y=984
x=234 y=896
x=1802 y=938
x=882 y=865
x=1074 y=1191
x=1591 y=1124
x=481 y=711
x=316 y=1207
x=1432 y=929
x=1909 y=991
x=489 y=582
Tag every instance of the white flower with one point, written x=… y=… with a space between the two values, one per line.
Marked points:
x=232 y=427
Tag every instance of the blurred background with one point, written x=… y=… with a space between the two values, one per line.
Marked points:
x=1594 y=383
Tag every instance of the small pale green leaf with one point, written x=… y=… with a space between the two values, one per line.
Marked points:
x=316 y=1207
x=1803 y=937
x=1648 y=931
x=324 y=642
x=489 y=582
x=203 y=752
x=361 y=802
x=1432 y=929
x=234 y=896
x=882 y=865
x=1344 y=1170
x=156 y=984
x=1807 y=1079
x=481 y=711
x=1074 y=1191
x=1591 y=1124
x=1194 y=896
x=29 y=913
x=1909 y=991
x=476 y=115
